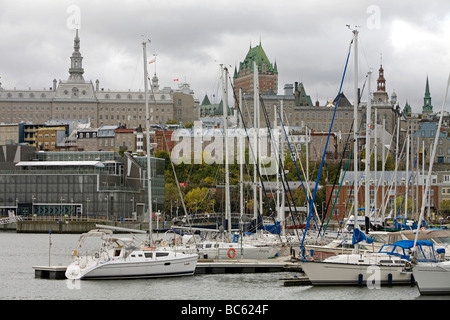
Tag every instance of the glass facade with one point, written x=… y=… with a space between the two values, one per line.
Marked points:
x=81 y=191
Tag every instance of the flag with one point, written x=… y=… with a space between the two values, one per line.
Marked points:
x=175 y=79
x=151 y=61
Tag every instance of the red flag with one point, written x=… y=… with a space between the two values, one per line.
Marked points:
x=175 y=79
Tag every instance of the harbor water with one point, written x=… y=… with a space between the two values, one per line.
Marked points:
x=20 y=252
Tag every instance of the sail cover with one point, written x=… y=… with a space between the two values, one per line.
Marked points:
x=359 y=236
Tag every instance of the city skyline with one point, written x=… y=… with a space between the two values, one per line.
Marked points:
x=308 y=41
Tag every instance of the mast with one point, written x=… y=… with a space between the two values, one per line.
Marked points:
x=407 y=172
x=242 y=159
x=255 y=151
x=225 y=135
x=368 y=133
x=375 y=209
x=433 y=155
x=355 y=131
x=283 y=199
x=147 y=124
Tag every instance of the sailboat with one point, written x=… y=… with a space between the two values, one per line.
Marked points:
x=391 y=262
x=223 y=243
x=432 y=277
x=121 y=258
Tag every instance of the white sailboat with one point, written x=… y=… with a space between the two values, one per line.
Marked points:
x=431 y=277
x=222 y=243
x=390 y=262
x=119 y=258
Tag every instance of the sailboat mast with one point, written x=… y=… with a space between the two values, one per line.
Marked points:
x=430 y=169
x=225 y=135
x=368 y=146
x=355 y=131
x=255 y=150
x=242 y=160
x=147 y=125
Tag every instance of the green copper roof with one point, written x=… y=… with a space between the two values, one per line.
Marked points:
x=427 y=107
x=256 y=54
x=407 y=109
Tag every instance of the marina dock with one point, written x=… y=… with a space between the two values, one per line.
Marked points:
x=204 y=266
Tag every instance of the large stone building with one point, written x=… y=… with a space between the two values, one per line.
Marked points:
x=77 y=99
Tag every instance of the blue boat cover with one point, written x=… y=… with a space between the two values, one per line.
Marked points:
x=408 y=244
x=359 y=236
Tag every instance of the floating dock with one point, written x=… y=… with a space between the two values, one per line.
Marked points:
x=204 y=266
x=50 y=272
x=210 y=266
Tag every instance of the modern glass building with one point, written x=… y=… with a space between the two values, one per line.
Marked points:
x=81 y=185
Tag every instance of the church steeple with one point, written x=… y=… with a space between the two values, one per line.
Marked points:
x=76 y=62
x=427 y=107
x=381 y=96
x=381 y=81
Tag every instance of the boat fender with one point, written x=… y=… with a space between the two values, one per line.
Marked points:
x=360 y=279
x=390 y=278
x=231 y=253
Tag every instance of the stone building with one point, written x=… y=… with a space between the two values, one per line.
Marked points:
x=79 y=99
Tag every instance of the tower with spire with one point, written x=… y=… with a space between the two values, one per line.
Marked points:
x=427 y=106
x=76 y=62
x=381 y=96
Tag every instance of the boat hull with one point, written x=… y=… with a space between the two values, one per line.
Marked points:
x=432 y=278
x=325 y=273
x=134 y=269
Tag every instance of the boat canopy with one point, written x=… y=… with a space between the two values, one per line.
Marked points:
x=404 y=248
x=359 y=236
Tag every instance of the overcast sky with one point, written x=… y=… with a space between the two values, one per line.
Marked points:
x=308 y=39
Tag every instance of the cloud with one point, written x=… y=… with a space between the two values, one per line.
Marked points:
x=308 y=40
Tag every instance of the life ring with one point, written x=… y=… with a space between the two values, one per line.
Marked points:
x=231 y=253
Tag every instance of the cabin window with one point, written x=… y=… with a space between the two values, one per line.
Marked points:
x=116 y=252
x=162 y=254
x=148 y=254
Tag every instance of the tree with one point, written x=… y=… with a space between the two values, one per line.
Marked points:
x=197 y=200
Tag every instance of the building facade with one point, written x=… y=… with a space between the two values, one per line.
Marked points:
x=78 y=99
x=78 y=185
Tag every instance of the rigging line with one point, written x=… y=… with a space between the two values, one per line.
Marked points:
x=345 y=170
x=308 y=189
x=323 y=158
x=428 y=181
x=392 y=179
x=336 y=179
x=275 y=147
x=254 y=156
x=295 y=163
x=406 y=190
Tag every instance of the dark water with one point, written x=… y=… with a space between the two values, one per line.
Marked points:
x=20 y=252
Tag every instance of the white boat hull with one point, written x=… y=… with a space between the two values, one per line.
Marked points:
x=149 y=268
x=325 y=273
x=432 y=278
